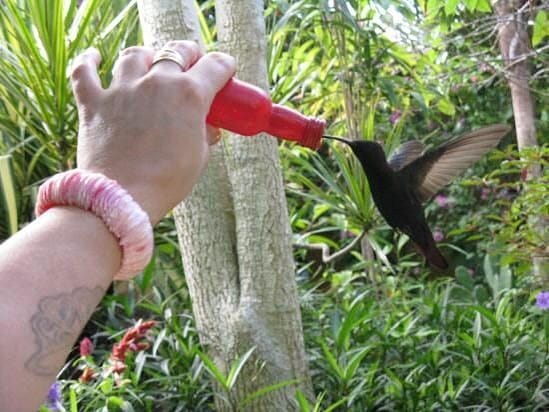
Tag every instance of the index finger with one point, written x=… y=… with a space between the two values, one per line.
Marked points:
x=213 y=71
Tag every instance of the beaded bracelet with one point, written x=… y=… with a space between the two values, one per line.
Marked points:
x=104 y=197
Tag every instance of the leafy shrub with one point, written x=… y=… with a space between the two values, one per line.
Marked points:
x=435 y=346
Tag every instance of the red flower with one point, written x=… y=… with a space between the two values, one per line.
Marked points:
x=131 y=341
x=87 y=375
x=145 y=326
x=117 y=367
x=86 y=347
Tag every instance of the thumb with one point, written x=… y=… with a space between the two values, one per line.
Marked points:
x=213 y=135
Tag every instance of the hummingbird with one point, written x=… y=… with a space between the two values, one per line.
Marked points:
x=412 y=176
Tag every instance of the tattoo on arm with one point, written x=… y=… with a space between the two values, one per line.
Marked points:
x=56 y=324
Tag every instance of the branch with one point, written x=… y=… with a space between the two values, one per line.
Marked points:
x=522 y=57
x=326 y=257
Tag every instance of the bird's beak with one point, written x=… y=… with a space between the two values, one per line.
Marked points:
x=337 y=138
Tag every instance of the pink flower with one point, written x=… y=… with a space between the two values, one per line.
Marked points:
x=485 y=193
x=86 y=347
x=438 y=235
x=442 y=201
x=395 y=116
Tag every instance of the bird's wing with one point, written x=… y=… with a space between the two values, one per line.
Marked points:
x=436 y=168
x=405 y=154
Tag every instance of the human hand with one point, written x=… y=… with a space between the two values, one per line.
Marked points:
x=148 y=129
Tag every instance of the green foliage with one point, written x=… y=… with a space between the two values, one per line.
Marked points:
x=38 y=119
x=406 y=345
x=343 y=205
x=462 y=34
x=228 y=381
x=434 y=346
x=334 y=59
x=8 y=208
x=380 y=336
x=541 y=28
x=351 y=197
x=521 y=225
x=499 y=214
x=170 y=375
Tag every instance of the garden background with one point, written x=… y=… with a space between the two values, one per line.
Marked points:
x=381 y=330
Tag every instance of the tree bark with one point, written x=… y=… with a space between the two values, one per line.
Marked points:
x=514 y=43
x=234 y=230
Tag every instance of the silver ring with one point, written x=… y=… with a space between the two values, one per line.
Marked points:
x=171 y=55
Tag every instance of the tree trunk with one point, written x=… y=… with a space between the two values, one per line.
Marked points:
x=234 y=230
x=514 y=43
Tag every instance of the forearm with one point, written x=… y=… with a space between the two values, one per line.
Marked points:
x=53 y=275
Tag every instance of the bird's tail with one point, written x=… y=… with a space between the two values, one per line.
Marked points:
x=433 y=255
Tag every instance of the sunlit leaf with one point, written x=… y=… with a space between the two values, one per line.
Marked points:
x=541 y=27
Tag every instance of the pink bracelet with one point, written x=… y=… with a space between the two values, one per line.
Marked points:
x=105 y=198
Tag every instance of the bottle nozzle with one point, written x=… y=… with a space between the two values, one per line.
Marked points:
x=312 y=136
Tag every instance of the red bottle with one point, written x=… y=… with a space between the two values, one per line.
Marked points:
x=247 y=110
